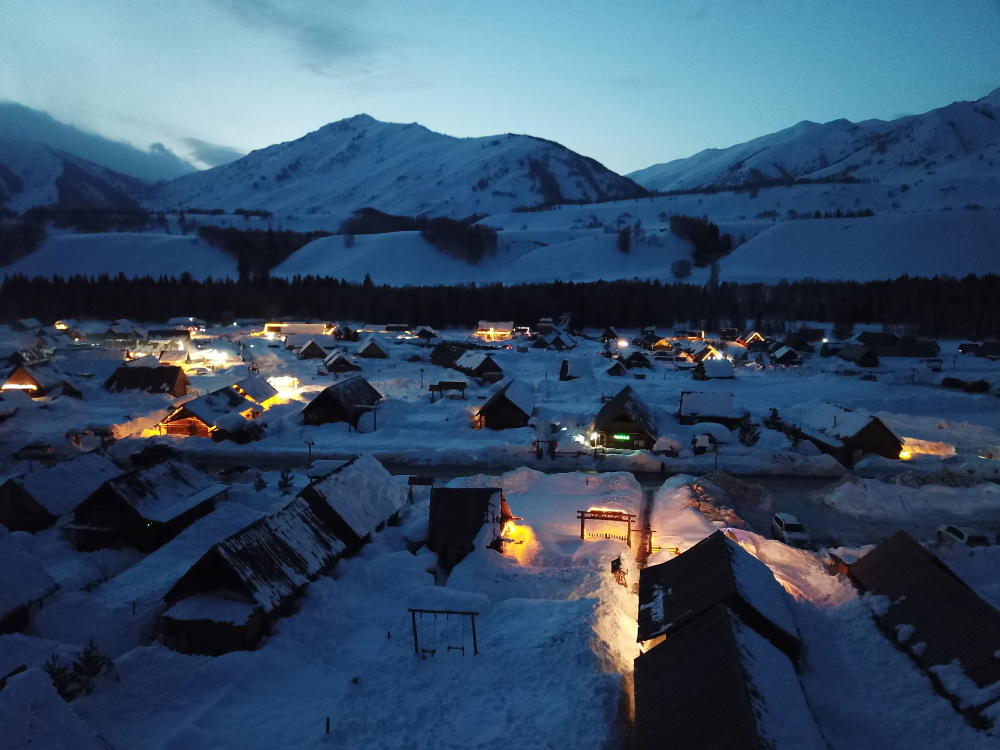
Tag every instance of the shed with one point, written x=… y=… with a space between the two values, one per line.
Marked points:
x=339 y=363
x=144 y=508
x=510 y=406
x=345 y=401
x=944 y=626
x=36 y=500
x=696 y=407
x=718 y=684
x=227 y=600
x=626 y=421
x=169 y=379
x=457 y=517
x=714 y=571
x=848 y=434
x=24 y=585
x=356 y=500
x=714 y=369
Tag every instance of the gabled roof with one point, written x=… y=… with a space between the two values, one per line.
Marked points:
x=628 y=403
x=940 y=610
x=714 y=571
x=23 y=580
x=255 y=388
x=707 y=404
x=717 y=368
x=517 y=392
x=719 y=664
x=46 y=376
x=354 y=391
x=373 y=339
x=166 y=490
x=162 y=379
x=836 y=424
x=213 y=406
x=471 y=360
x=60 y=488
x=33 y=715
x=457 y=514
x=361 y=492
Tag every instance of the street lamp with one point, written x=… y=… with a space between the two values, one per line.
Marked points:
x=310 y=444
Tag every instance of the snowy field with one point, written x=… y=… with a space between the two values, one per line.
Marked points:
x=556 y=633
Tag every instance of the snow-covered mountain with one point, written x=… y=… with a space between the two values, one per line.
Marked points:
x=34 y=174
x=20 y=123
x=961 y=140
x=400 y=169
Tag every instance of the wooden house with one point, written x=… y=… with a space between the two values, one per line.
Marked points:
x=785 y=356
x=646 y=340
x=878 y=338
x=494 y=330
x=968 y=347
x=373 y=347
x=715 y=571
x=445 y=355
x=617 y=369
x=208 y=416
x=716 y=661
x=480 y=366
x=906 y=346
x=32 y=357
x=662 y=345
x=951 y=633
x=345 y=401
x=356 y=500
x=575 y=368
x=166 y=379
x=256 y=390
x=345 y=333
x=859 y=355
x=848 y=434
x=457 y=516
x=626 y=421
x=24 y=586
x=714 y=369
x=609 y=335
x=144 y=508
x=752 y=340
x=36 y=500
x=311 y=350
x=989 y=350
x=339 y=363
x=697 y=407
x=39 y=382
x=637 y=359
x=229 y=598
x=700 y=352
x=510 y=406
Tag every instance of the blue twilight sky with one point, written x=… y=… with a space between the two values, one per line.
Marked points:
x=629 y=83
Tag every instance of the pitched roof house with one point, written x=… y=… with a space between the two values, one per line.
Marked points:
x=848 y=434
x=696 y=407
x=457 y=516
x=345 y=401
x=626 y=421
x=169 y=379
x=511 y=405
x=480 y=366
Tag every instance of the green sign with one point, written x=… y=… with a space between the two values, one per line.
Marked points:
x=622 y=437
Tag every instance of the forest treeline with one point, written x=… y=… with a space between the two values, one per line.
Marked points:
x=938 y=307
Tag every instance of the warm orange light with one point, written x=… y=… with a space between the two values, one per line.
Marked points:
x=20 y=387
x=905 y=455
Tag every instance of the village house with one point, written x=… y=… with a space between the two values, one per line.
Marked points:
x=39 y=382
x=356 y=500
x=211 y=416
x=479 y=366
x=752 y=341
x=37 y=499
x=24 y=586
x=373 y=346
x=494 y=330
x=626 y=421
x=167 y=379
x=457 y=516
x=229 y=598
x=311 y=350
x=785 y=356
x=617 y=369
x=859 y=355
x=339 y=363
x=696 y=407
x=256 y=389
x=848 y=434
x=510 y=406
x=713 y=369
x=144 y=508
x=637 y=359
x=948 y=630
x=345 y=401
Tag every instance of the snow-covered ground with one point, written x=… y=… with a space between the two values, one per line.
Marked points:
x=556 y=633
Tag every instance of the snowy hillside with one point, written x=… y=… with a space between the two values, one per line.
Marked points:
x=20 y=123
x=960 y=140
x=33 y=174
x=134 y=255
x=400 y=169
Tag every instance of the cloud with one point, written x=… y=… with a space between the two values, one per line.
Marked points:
x=210 y=154
x=319 y=31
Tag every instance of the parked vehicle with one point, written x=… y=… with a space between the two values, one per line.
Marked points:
x=962 y=535
x=35 y=452
x=786 y=528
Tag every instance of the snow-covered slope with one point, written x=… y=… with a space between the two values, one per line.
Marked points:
x=20 y=123
x=959 y=140
x=33 y=174
x=401 y=169
x=134 y=255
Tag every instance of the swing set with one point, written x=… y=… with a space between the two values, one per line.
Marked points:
x=420 y=631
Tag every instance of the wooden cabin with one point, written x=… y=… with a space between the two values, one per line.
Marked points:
x=696 y=407
x=626 y=422
x=345 y=401
x=311 y=350
x=510 y=406
x=714 y=369
x=339 y=363
x=144 y=508
x=617 y=369
x=861 y=356
x=39 y=382
x=480 y=366
x=637 y=359
x=373 y=347
x=210 y=416
x=848 y=434
x=167 y=379
x=457 y=516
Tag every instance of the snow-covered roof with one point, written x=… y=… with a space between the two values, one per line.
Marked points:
x=627 y=402
x=517 y=392
x=33 y=715
x=717 y=368
x=60 y=488
x=830 y=421
x=211 y=608
x=213 y=406
x=165 y=490
x=470 y=360
x=362 y=493
x=373 y=339
x=502 y=325
x=23 y=580
x=707 y=404
x=256 y=388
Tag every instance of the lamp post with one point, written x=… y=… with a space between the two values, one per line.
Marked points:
x=309 y=445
